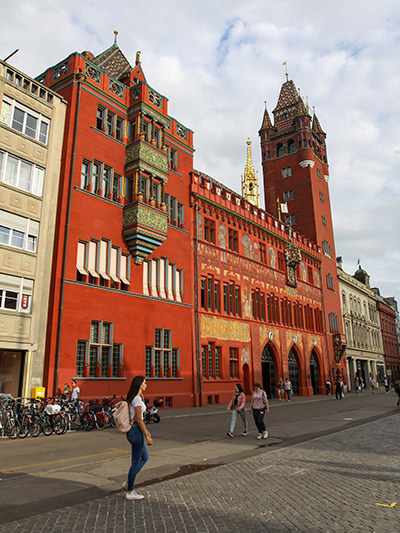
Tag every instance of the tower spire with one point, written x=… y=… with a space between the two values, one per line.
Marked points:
x=250 y=180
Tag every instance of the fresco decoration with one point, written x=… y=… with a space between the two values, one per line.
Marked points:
x=222 y=236
x=245 y=355
x=294 y=337
x=199 y=226
x=266 y=333
x=246 y=303
x=224 y=330
x=313 y=342
x=249 y=250
x=303 y=270
x=317 y=278
x=272 y=257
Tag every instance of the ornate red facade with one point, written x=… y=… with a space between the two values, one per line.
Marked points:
x=162 y=271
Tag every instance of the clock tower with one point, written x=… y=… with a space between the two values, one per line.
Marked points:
x=296 y=172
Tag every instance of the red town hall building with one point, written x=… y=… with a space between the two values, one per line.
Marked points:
x=161 y=270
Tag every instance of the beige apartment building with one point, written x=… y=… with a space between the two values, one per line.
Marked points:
x=364 y=347
x=31 y=136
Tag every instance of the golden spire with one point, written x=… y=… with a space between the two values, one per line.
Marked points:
x=250 y=180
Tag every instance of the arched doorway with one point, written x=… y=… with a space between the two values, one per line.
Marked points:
x=314 y=372
x=293 y=371
x=246 y=379
x=268 y=371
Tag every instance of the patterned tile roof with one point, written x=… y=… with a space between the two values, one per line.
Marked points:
x=113 y=62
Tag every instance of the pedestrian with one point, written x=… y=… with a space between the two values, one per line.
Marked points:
x=66 y=392
x=338 y=389
x=259 y=406
x=342 y=387
x=372 y=384
x=288 y=389
x=356 y=384
x=238 y=406
x=281 y=387
x=328 y=387
x=136 y=435
x=386 y=384
x=75 y=395
x=362 y=385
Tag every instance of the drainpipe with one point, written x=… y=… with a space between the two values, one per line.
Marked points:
x=80 y=77
x=196 y=308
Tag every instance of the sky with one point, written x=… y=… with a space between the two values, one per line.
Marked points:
x=218 y=61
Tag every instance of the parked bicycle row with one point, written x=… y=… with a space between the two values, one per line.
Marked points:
x=20 y=417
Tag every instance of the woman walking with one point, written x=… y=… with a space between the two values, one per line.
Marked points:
x=259 y=406
x=136 y=435
x=238 y=406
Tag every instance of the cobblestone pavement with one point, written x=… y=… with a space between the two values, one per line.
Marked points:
x=328 y=484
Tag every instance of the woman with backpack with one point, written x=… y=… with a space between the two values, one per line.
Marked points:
x=136 y=435
x=259 y=406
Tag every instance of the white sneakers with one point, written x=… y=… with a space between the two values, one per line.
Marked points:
x=259 y=436
x=131 y=495
x=265 y=434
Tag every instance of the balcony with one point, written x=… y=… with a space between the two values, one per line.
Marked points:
x=144 y=228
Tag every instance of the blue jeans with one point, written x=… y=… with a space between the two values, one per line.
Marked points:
x=140 y=455
x=242 y=414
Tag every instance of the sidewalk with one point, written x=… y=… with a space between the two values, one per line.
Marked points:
x=328 y=484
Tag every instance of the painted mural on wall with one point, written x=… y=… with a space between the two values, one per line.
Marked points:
x=294 y=337
x=245 y=356
x=199 y=226
x=303 y=271
x=222 y=236
x=272 y=257
x=224 y=330
x=266 y=333
x=250 y=249
x=247 y=272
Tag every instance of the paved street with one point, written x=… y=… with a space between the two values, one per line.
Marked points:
x=331 y=483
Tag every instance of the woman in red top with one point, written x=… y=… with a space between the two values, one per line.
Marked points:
x=238 y=406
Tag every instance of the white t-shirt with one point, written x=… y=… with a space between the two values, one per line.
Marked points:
x=75 y=393
x=137 y=402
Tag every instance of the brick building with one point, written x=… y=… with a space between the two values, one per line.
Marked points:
x=161 y=270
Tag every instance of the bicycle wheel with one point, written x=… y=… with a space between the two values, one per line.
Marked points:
x=75 y=422
x=46 y=425
x=156 y=418
x=34 y=427
x=59 y=424
x=23 y=427
x=87 y=423
x=101 y=421
x=10 y=429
